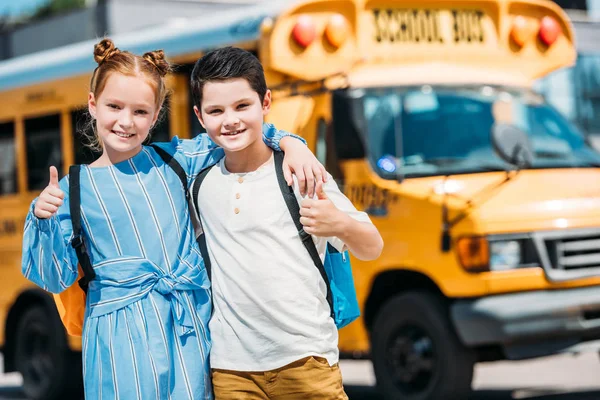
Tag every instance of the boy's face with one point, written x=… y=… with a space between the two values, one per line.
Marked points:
x=232 y=113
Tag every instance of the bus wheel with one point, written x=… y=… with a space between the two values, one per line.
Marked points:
x=416 y=353
x=50 y=370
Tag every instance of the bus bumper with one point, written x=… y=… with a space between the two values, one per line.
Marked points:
x=531 y=324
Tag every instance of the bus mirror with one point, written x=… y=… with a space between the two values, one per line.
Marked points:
x=593 y=140
x=512 y=145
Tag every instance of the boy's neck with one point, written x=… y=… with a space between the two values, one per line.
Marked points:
x=249 y=159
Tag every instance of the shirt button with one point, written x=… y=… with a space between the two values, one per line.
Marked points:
x=237 y=195
x=237 y=211
x=240 y=179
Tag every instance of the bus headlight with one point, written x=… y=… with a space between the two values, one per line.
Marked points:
x=505 y=255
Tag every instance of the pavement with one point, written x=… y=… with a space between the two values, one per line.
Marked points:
x=562 y=377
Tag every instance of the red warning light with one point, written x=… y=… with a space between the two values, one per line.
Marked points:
x=549 y=30
x=304 y=31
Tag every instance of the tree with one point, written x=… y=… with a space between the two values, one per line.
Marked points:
x=55 y=7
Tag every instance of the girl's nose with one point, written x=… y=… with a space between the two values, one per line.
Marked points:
x=126 y=120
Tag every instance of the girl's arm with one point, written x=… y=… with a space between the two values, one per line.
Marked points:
x=48 y=259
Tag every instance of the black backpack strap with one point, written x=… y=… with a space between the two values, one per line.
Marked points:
x=294 y=208
x=198 y=183
x=77 y=242
x=202 y=238
x=175 y=166
x=178 y=169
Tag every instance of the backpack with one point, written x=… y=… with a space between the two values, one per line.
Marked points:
x=336 y=270
x=71 y=302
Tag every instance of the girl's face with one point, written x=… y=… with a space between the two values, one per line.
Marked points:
x=124 y=112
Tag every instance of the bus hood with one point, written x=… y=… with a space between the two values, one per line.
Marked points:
x=531 y=200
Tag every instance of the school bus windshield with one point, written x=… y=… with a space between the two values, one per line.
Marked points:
x=447 y=130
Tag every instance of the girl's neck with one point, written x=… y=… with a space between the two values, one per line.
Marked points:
x=249 y=159
x=111 y=157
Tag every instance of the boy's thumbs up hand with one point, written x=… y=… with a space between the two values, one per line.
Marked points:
x=320 y=217
x=51 y=198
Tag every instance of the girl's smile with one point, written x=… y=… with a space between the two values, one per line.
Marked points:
x=125 y=111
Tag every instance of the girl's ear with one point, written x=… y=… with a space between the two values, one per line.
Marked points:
x=199 y=116
x=92 y=105
x=267 y=102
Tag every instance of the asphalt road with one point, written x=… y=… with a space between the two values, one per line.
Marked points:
x=564 y=377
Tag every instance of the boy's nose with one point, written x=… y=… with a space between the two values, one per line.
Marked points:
x=231 y=120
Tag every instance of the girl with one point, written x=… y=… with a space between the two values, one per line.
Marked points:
x=147 y=310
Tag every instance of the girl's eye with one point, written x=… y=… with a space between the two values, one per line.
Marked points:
x=215 y=111
x=113 y=106
x=142 y=112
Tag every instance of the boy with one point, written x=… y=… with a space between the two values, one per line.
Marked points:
x=272 y=334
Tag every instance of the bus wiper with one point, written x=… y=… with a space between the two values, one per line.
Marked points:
x=561 y=157
x=467 y=164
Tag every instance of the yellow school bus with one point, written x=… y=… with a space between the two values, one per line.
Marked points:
x=424 y=113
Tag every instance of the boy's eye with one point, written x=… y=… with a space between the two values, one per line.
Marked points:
x=113 y=106
x=242 y=105
x=215 y=111
x=143 y=112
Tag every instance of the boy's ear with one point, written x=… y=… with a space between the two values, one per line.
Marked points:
x=267 y=102
x=199 y=116
x=92 y=105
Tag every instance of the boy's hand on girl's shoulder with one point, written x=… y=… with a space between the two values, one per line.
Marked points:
x=300 y=161
x=320 y=217
x=51 y=197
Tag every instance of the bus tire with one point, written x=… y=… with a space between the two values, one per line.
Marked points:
x=416 y=352
x=50 y=370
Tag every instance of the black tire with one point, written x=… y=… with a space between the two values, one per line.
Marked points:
x=50 y=370
x=416 y=353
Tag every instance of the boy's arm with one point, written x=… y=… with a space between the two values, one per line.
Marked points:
x=321 y=217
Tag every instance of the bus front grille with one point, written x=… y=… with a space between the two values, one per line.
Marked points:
x=569 y=254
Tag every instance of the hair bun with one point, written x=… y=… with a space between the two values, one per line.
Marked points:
x=104 y=50
x=157 y=58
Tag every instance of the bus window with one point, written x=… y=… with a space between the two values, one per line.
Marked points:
x=321 y=142
x=161 y=131
x=82 y=132
x=446 y=130
x=8 y=170
x=43 y=149
x=325 y=151
x=588 y=67
x=195 y=127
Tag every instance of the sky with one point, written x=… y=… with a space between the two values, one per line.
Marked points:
x=18 y=7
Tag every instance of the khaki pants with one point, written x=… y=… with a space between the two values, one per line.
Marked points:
x=305 y=379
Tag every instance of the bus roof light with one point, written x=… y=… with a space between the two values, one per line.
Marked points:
x=549 y=30
x=304 y=31
x=337 y=30
x=521 y=31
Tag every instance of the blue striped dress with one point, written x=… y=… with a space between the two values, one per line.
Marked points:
x=145 y=332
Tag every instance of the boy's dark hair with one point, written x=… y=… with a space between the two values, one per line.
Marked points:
x=227 y=63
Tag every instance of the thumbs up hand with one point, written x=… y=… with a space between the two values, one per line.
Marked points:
x=320 y=217
x=50 y=199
